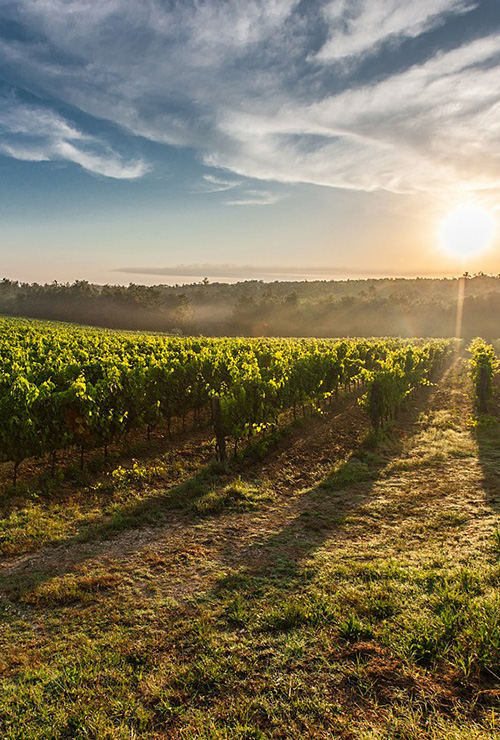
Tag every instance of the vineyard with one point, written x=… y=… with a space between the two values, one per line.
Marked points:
x=63 y=387
x=247 y=539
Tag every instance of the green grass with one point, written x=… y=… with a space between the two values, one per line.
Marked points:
x=124 y=497
x=239 y=495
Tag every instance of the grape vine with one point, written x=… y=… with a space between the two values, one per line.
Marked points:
x=64 y=386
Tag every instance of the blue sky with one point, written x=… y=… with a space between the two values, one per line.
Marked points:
x=156 y=140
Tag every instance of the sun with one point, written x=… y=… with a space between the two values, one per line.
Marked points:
x=467 y=230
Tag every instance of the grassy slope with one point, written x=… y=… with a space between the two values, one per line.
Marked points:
x=331 y=589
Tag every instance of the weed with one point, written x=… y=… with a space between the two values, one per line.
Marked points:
x=237 y=612
x=239 y=496
x=235 y=581
x=352 y=629
x=136 y=475
x=353 y=471
x=496 y=541
x=482 y=635
x=286 y=616
x=425 y=645
x=381 y=606
x=69 y=589
x=315 y=609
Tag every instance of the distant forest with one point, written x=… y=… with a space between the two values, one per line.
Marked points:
x=322 y=308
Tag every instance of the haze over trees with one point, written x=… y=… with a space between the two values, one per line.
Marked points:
x=374 y=307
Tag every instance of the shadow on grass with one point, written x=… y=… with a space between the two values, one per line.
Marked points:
x=153 y=501
x=319 y=515
x=487 y=433
x=63 y=555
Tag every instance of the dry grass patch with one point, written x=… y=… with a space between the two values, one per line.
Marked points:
x=72 y=588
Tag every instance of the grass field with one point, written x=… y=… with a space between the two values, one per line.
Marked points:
x=328 y=584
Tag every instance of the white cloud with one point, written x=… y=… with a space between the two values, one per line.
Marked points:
x=24 y=153
x=256 y=198
x=36 y=134
x=360 y=27
x=218 y=184
x=238 y=82
x=108 y=164
x=432 y=126
x=246 y=197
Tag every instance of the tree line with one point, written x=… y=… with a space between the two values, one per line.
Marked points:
x=382 y=307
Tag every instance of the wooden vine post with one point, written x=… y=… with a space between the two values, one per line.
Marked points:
x=220 y=439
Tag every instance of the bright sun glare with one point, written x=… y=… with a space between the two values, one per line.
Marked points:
x=467 y=230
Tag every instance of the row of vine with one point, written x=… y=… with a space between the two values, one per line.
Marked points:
x=62 y=386
x=483 y=366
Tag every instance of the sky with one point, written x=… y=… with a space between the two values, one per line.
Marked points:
x=164 y=141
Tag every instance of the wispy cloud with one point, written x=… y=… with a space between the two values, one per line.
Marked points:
x=256 y=198
x=361 y=27
x=36 y=134
x=430 y=127
x=260 y=272
x=246 y=196
x=243 y=272
x=213 y=184
x=265 y=89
